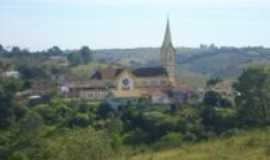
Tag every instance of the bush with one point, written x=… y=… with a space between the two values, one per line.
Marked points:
x=190 y=137
x=80 y=144
x=47 y=112
x=232 y=132
x=116 y=141
x=80 y=120
x=105 y=110
x=208 y=134
x=218 y=119
x=31 y=123
x=171 y=139
x=135 y=137
x=19 y=156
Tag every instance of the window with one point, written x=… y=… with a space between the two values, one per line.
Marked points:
x=126 y=84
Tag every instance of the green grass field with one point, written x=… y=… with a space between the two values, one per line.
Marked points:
x=252 y=145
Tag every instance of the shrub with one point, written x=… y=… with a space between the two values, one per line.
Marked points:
x=105 y=110
x=208 y=134
x=116 y=141
x=232 y=132
x=137 y=136
x=80 y=120
x=47 y=112
x=218 y=119
x=31 y=123
x=171 y=139
x=81 y=144
x=190 y=137
x=19 y=156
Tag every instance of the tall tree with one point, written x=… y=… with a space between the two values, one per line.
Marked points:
x=83 y=56
x=32 y=72
x=74 y=58
x=2 y=50
x=55 y=51
x=253 y=100
x=86 y=54
x=8 y=89
x=15 y=50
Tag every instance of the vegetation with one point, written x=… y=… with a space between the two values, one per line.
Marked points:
x=253 y=145
x=194 y=65
x=253 y=99
x=83 y=56
x=64 y=129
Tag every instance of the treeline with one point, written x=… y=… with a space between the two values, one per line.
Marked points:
x=24 y=56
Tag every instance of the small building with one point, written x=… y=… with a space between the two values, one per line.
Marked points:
x=118 y=82
x=11 y=74
x=43 y=88
x=92 y=90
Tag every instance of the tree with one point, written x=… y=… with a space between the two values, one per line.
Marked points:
x=215 y=99
x=214 y=81
x=74 y=58
x=32 y=72
x=55 y=51
x=83 y=56
x=6 y=113
x=217 y=119
x=27 y=141
x=15 y=50
x=80 y=120
x=212 y=98
x=2 y=50
x=105 y=110
x=253 y=100
x=8 y=89
x=86 y=54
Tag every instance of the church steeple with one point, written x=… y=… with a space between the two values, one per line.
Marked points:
x=168 y=54
x=167 y=38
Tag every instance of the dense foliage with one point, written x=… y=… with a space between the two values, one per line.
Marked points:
x=253 y=99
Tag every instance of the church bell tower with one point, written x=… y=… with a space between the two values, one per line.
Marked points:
x=168 y=55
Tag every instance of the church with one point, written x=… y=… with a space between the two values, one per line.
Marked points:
x=126 y=82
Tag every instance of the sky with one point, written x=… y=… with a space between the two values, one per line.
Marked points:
x=104 y=24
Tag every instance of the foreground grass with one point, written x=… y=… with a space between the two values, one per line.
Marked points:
x=253 y=145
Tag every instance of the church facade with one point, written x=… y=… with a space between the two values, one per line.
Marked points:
x=126 y=82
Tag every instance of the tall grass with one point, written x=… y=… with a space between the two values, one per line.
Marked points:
x=251 y=145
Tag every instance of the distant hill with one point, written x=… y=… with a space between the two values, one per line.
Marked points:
x=226 y=62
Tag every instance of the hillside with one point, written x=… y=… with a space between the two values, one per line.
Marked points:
x=253 y=145
x=226 y=62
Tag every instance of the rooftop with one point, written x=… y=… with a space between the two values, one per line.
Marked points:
x=150 y=72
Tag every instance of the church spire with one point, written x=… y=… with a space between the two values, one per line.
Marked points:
x=168 y=55
x=167 y=38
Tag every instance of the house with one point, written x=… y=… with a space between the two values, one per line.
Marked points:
x=11 y=74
